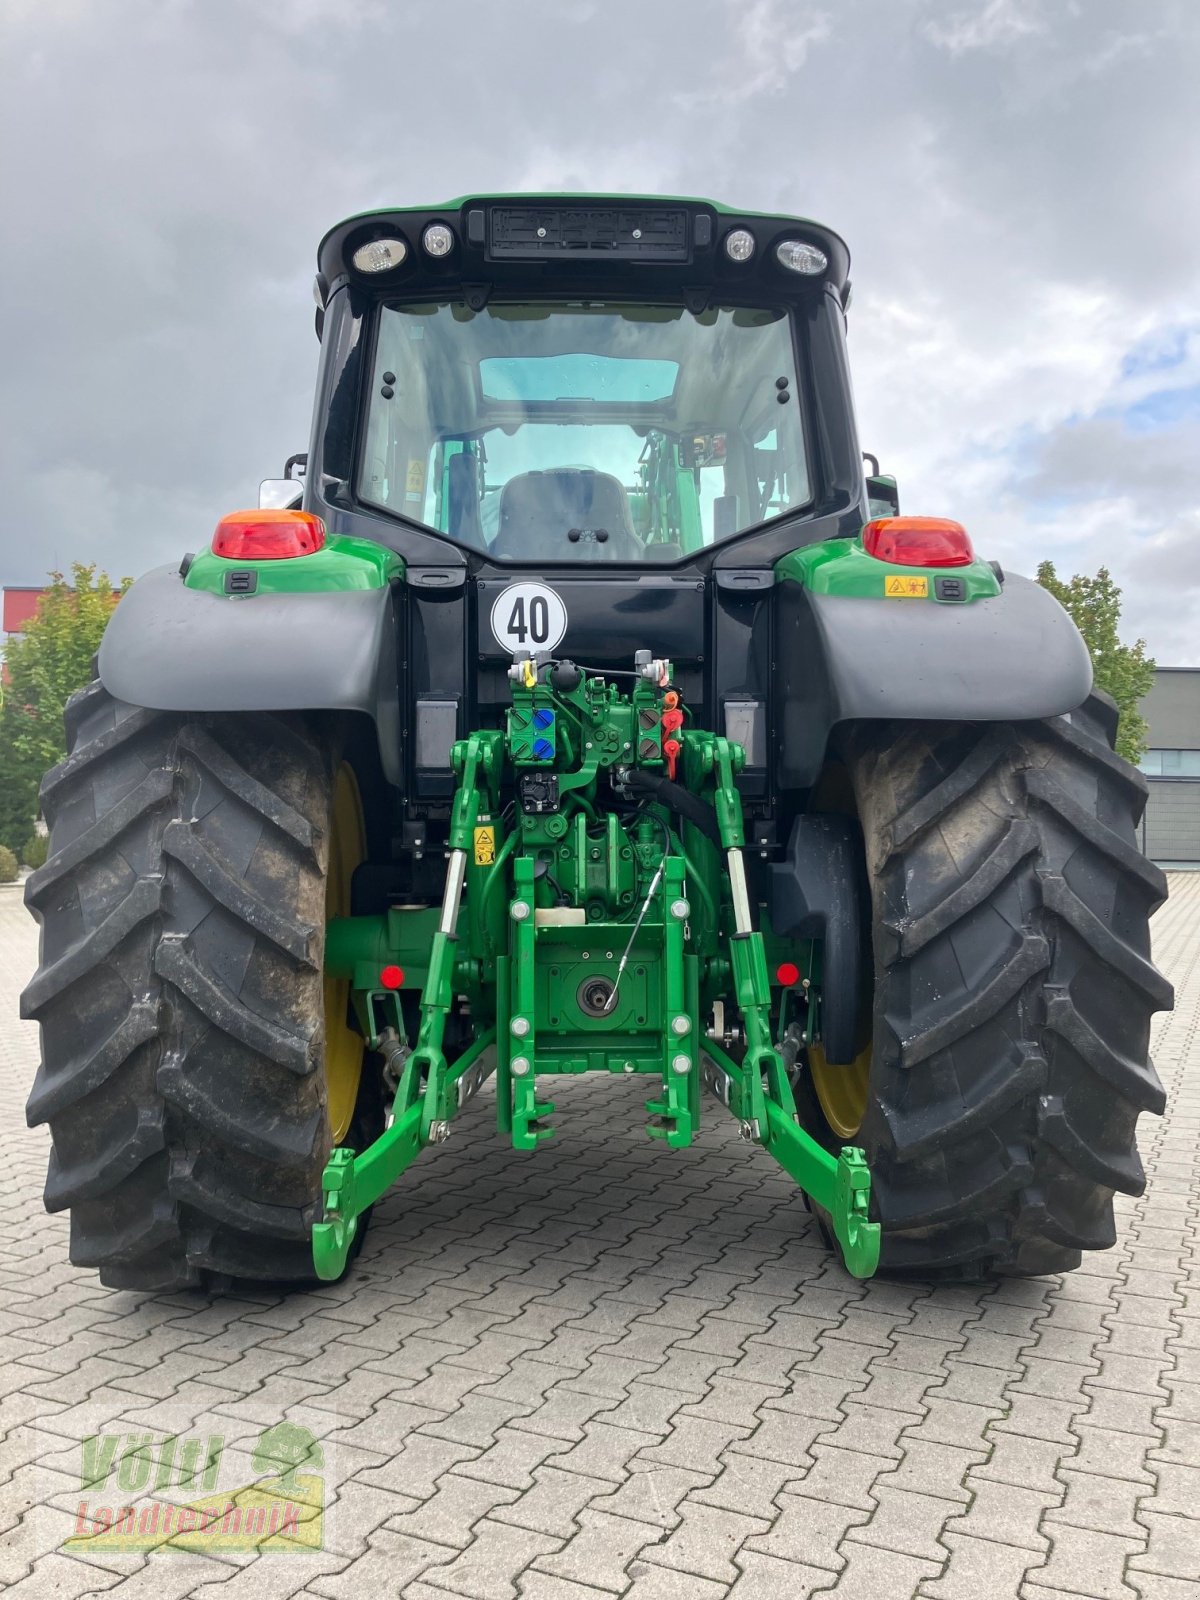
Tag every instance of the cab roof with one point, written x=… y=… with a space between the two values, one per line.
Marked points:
x=557 y=243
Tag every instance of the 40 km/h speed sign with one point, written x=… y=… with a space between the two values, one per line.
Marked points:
x=528 y=616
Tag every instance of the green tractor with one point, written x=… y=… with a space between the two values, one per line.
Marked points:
x=579 y=704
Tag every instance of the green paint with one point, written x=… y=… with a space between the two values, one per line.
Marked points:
x=448 y=206
x=343 y=563
x=583 y=944
x=843 y=567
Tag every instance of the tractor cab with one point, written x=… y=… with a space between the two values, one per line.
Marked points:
x=588 y=427
x=568 y=382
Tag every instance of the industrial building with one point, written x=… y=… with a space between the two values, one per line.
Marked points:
x=1170 y=832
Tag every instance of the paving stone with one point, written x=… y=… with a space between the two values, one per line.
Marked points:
x=768 y=1578
x=416 y=1466
x=652 y=1493
x=1123 y=1412
x=487 y=1569
x=686 y=1372
x=1038 y=1417
x=605 y=1452
x=1003 y=1511
x=1177 y=1490
x=526 y=1380
x=65 y=1577
x=747 y=1483
x=875 y=1574
x=1183 y=1406
x=986 y=1348
x=478 y=1420
x=534 y=1585
x=392 y=1563
x=979 y=1569
x=661 y=1583
x=512 y=1459
x=974 y=1385
x=705 y=1542
x=695 y=1443
x=1153 y=1586
x=272 y=1576
x=1026 y=1463
x=1180 y=1446
x=841 y=1477
x=647 y=1408
x=871 y=1431
x=563 y=1414
x=917 y=1353
x=1131 y=1374
x=1111 y=1453
x=930 y=1468
x=907 y=1522
x=953 y=1422
x=809 y=1531
x=1106 y=1505
x=1173 y=1545
x=451 y=1512
x=601 y=1551
x=555 y=1501
x=1081 y=1555
x=355 y=1510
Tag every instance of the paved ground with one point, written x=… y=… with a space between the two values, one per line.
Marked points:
x=562 y=1377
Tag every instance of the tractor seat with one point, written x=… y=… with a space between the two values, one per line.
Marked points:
x=561 y=515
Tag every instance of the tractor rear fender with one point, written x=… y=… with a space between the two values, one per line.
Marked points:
x=174 y=648
x=1014 y=656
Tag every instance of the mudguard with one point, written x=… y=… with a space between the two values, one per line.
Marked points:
x=174 y=648
x=1014 y=656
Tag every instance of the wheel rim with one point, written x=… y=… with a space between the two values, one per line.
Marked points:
x=842 y=1091
x=344 y=1045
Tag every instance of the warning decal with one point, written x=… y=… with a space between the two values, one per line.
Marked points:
x=904 y=586
x=485 y=846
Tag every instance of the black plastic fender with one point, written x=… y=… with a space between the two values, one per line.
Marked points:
x=171 y=648
x=1013 y=657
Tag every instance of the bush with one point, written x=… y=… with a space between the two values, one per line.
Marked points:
x=33 y=851
x=43 y=666
x=8 y=865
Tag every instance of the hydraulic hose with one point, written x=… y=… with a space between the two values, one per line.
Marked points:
x=678 y=799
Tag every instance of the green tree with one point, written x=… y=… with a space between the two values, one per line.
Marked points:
x=1121 y=670
x=43 y=668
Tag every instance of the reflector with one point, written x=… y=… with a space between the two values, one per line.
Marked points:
x=267 y=535
x=918 y=542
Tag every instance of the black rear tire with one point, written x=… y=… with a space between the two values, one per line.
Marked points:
x=1013 y=989
x=180 y=993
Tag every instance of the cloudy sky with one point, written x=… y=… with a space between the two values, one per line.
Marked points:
x=1018 y=180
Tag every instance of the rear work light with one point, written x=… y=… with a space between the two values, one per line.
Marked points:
x=380 y=255
x=267 y=535
x=918 y=542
